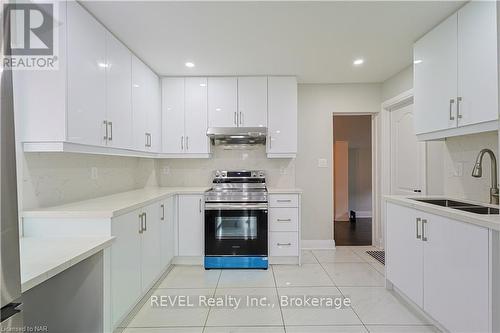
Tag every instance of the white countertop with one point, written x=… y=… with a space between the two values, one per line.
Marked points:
x=487 y=221
x=43 y=258
x=274 y=190
x=112 y=205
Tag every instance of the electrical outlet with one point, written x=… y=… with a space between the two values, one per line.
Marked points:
x=458 y=169
x=166 y=170
x=93 y=173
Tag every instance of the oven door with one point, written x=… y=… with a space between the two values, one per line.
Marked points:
x=236 y=229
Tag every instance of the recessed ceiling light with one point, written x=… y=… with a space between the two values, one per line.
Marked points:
x=103 y=65
x=203 y=84
x=417 y=61
x=189 y=64
x=358 y=62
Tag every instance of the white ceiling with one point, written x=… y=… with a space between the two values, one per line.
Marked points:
x=317 y=41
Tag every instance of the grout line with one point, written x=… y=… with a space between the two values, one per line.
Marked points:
x=278 y=296
x=210 y=308
x=352 y=308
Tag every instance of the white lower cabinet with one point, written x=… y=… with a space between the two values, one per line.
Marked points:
x=190 y=224
x=167 y=239
x=125 y=265
x=150 y=245
x=284 y=225
x=442 y=265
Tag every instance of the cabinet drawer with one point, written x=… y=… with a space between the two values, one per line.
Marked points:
x=284 y=219
x=282 y=244
x=284 y=200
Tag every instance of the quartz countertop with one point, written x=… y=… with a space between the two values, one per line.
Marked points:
x=111 y=205
x=486 y=221
x=275 y=190
x=43 y=258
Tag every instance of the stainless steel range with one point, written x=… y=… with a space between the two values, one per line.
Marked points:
x=236 y=220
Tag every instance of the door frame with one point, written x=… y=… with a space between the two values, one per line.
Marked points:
x=375 y=135
x=395 y=103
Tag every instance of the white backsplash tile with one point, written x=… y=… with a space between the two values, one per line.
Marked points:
x=199 y=172
x=459 y=158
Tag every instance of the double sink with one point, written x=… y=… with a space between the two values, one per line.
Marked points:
x=463 y=206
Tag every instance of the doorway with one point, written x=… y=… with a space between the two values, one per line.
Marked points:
x=352 y=174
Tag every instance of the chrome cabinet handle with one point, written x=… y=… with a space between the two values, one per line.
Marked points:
x=199 y=205
x=146 y=137
x=235 y=118
x=424 y=237
x=182 y=142
x=110 y=124
x=459 y=99
x=145 y=221
x=162 y=212
x=241 y=118
x=417 y=222
x=452 y=101
x=283 y=200
x=270 y=142
x=284 y=244
x=140 y=224
x=187 y=142
x=284 y=220
x=105 y=122
x=150 y=141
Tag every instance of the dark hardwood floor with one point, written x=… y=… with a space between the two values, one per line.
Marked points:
x=353 y=233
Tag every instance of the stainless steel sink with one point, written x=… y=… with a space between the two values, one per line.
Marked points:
x=463 y=206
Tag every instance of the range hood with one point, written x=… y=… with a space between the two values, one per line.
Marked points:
x=233 y=136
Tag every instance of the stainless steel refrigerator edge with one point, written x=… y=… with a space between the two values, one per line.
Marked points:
x=9 y=242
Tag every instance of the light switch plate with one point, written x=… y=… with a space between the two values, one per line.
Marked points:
x=322 y=163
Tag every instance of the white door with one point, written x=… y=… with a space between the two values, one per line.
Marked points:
x=125 y=265
x=118 y=93
x=139 y=106
x=190 y=225
x=435 y=78
x=252 y=101
x=456 y=274
x=86 y=77
x=173 y=115
x=282 y=115
x=154 y=112
x=404 y=251
x=222 y=102
x=150 y=244
x=196 y=116
x=408 y=155
x=477 y=63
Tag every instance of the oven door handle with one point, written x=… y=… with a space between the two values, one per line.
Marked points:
x=226 y=206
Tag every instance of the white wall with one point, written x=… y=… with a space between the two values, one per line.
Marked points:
x=398 y=83
x=199 y=172
x=356 y=130
x=317 y=103
x=51 y=179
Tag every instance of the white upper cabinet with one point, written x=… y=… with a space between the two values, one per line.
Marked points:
x=435 y=78
x=185 y=113
x=173 y=114
x=456 y=74
x=222 y=102
x=86 y=86
x=282 y=117
x=252 y=101
x=477 y=63
x=154 y=112
x=119 y=93
x=196 y=116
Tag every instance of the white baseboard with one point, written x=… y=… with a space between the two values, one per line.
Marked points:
x=364 y=213
x=317 y=244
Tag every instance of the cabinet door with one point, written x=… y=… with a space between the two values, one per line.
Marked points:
x=435 y=78
x=173 y=114
x=282 y=115
x=170 y=220
x=139 y=106
x=119 y=94
x=190 y=225
x=404 y=251
x=154 y=112
x=125 y=265
x=86 y=77
x=196 y=116
x=456 y=274
x=477 y=63
x=151 y=254
x=252 y=101
x=222 y=102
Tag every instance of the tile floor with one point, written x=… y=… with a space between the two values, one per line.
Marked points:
x=347 y=272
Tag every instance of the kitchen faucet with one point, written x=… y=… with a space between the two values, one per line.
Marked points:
x=477 y=172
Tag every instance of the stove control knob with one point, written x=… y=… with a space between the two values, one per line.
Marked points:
x=217 y=174
x=254 y=174
x=261 y=173
x=223 y=174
